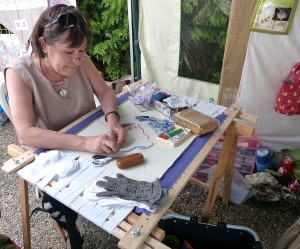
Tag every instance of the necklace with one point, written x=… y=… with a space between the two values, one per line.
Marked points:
x=62 y=91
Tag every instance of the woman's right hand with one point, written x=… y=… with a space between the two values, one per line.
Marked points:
x=102 y=144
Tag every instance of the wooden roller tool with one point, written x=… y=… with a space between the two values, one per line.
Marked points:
x=130 y=160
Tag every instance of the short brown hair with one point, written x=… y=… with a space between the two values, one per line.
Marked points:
x=77 y=34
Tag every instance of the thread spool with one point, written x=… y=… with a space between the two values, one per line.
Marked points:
x=264 y=159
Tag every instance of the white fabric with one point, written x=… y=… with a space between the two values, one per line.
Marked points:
x=268 y=61
x=114 y=201
x=69 y=166
x=9 y=50
x=18 y=5
x=91 y=191
x=19 y=17
x=159 y=40
x=57 y=162
x=47 y=157
x=175 y=101
x=209 y=109
x=21 y=22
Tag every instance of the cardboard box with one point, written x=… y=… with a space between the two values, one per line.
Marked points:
x=166 y=110
x=197 y=122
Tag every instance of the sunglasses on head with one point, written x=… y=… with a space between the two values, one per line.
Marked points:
x=65 y=20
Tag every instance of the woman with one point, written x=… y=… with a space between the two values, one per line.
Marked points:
x=55 y=85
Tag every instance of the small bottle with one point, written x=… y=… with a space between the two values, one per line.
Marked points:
x=3 y=117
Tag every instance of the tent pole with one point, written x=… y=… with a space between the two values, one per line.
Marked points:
x=135 y=39
x=130 y=40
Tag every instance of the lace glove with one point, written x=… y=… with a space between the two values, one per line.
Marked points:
x=125 y=188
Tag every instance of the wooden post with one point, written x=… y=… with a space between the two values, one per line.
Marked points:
x=23 y=185
x=230 y=164
x=225 y=167
x=229 y=141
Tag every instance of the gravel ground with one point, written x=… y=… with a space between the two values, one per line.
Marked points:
x=268 y=220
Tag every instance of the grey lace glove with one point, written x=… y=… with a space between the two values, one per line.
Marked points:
x=125 y=188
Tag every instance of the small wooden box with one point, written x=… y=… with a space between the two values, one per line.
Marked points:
x=197 y=122
x=176 y=140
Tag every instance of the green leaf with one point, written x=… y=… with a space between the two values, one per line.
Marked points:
x=297 y=173
x=109 y=21
x=293 y=153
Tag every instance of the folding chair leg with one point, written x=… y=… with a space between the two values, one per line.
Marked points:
x=38 y=193
x=61 y=233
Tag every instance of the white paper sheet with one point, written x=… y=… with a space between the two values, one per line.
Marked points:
x=158 y=156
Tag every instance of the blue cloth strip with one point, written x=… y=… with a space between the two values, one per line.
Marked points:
x=186 y=157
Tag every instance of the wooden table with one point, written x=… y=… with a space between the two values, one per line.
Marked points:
x=149 y=236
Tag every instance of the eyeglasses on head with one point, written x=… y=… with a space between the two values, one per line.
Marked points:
x=65 y=20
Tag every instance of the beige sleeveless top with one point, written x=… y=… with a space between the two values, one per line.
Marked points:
x=53 y=111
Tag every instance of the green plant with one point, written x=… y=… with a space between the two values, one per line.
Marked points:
x=110 y=50
x=203 y=37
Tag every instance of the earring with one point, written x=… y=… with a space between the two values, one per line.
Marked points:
x=47 y=63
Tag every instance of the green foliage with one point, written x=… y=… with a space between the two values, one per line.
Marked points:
x=211 y=24
x=203 y=37
x=110 y=50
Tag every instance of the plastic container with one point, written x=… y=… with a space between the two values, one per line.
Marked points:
x=244 y=159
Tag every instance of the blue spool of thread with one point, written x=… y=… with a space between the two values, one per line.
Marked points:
x=160 y=96
x=264 y=156
x=264 y=159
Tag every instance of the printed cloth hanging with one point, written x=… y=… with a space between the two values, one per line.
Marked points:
x=288 y=97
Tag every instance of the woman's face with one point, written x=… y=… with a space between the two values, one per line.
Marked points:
x=65 y=59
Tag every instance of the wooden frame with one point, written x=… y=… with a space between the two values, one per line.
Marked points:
x=141 y=231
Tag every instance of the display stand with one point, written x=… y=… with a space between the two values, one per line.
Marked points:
x=141 y=231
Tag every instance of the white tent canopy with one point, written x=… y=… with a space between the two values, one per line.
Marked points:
x=268 y=61
x=269 y=58
x=159 y=39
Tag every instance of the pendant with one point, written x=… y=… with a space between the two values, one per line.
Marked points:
x=63 y=92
